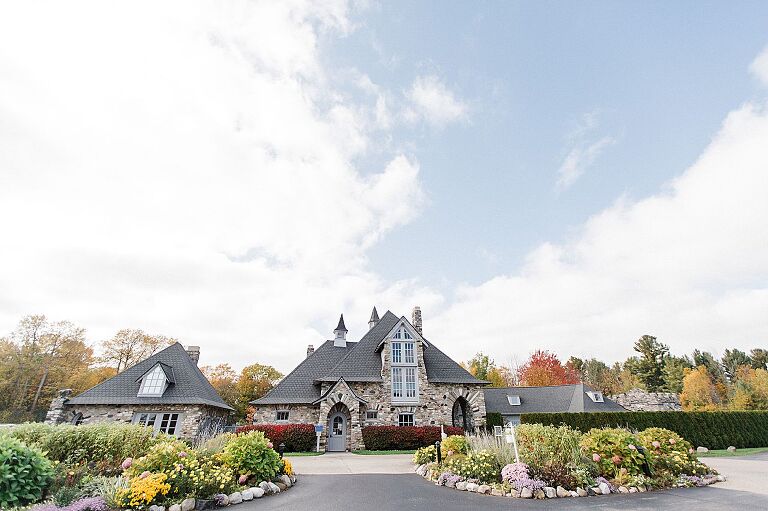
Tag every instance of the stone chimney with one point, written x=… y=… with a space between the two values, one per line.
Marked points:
x=310 y=350
x=340 y=334
x=56 y=412
x=374 y=319
x=194 y=353
x=416 y=319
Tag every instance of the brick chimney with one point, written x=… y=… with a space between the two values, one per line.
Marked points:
x=310 y=350
x=194 y=353
x=416 y=319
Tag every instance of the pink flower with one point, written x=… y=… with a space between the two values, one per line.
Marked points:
x=144 y=474
x=127 y=463
x=690 y=451
x=672 y=441
x=596 y=457
x=632 y=447
x=182 y=454
x=243 y=479
x=269 y=445
x=656 y=444
x=616 y=459
x=450 y=453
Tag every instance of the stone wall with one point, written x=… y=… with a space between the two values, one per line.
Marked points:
x=637 y=400
x=297 y=414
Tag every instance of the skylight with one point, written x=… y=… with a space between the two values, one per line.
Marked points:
x=513 y=400
x=153 y=383
x=597 y=397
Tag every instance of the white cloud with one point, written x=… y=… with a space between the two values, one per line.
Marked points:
x=187 y=169
x=583 y=150
x=688 y=265
x=431 y=101
x=759 y=66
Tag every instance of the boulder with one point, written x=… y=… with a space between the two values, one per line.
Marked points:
x=525 y=493
x=594 y=491
x=731 y=448
x=581 y=492
x=632 y=489
x=257 y=492
x=461 y=485
x=235 y=498
x=247 y=495
x=273 y=488
x=484 y=489
x=497 y=493
x=156 y=508
x=605 y=489
x=702 y=449
x=286 y=480
x=550 y=492
x=514 y=494
x=573 y=493
x=221 y=499
x=293 y=478
x=623 y=489
x=539 y=494
x=281 y=485
x=265 y=486
x=421 y=470
x=721 y=478
x=175 y=507
x=641 y=489
x=187 y=504
x=472 y=487
x=561 y=492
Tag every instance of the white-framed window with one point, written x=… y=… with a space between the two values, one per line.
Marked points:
x=405 y=419
x=597 y=397
x=397 y=382
x=153 y=383
x=372 y=414
x=410 y=382
x=513 y=399
x=160 y=422
x=281 y=416
x=404 y=371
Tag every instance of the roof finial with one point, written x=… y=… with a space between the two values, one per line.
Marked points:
x=374 y=318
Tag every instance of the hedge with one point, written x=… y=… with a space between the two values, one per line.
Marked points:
x=493 y=419
x=714 y=430
x=296 y=437
x=385 y=438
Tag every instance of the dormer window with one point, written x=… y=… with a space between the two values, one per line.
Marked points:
x=596 y=397
x=513 y=400
x=154 y=383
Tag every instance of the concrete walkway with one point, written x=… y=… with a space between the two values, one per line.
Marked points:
x=744 y=473
x=348 y=463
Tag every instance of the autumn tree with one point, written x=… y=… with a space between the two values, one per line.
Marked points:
x=732 y=360
x=699 y=392
x=750 y=390
x=544 y=368
x=224 y=380
x=129 y=347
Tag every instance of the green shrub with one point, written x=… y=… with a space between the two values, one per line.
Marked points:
x=425 y=455
x=668 y=451
x=493 y=419
x=614 y=451
x=479 y=465
x=24 y=473
x=97 y=443
x=715 y=430
x=456 y=443
x=483 y=441
x=249 y=454
x=540 y=446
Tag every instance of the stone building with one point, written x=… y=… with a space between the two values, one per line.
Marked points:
x=392 y=376
x=166 y=391
x=638 y=400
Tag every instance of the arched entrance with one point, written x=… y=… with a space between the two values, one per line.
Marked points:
x=338 y=428
x=462 y=417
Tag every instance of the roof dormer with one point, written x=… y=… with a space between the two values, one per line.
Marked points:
x=155 y=381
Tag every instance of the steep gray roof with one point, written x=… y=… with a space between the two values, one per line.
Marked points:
x=188 y=384
x=357 y=362
x=552 y=399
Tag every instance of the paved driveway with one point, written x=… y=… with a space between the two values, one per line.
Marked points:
x=341 y=490
x=347 y=463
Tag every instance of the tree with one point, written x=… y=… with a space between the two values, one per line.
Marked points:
x=750 y=389
x=254 y=381
x=224 y=380
x=674 y=372
x=480 y=365
x=501 y=376
x=699 y=392
x=129 y=347
x=544 y=368
x=732 y=360
x=759 y=358
x=650 y=366
x=598 y=375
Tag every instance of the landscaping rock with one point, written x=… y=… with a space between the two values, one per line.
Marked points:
x=235 y=498
x=484 y=489
x=156 y=508
x=286 y=480
x=187 y=504
x=281 y=485
x=265 y=486
x=514 y=494
x=702 y=449
x=525 y=493
x=731 y=448
x=461 y=485
x=247 y=495
x=422 y=470
x=221 y=499
x=721 y=478
x=641 y=489
x=497 y=493
x=632 y=489
x=581 y=492
x=550 y=492
x=561 y=492
x=257 y=492
x=623 y=489
x=175 y=507
x=573 y=493
x=594 y=491
x=273 y=488
x=539 y=494
x=293 y=478
x=605 y=489
x=472 y=487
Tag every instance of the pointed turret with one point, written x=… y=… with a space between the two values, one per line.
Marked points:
x=341 y=334
x=374 y=318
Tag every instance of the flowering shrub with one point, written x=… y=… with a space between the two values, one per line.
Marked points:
x=425 y=455
x=162 y=457
x=24 y=473
x=543 y=445
x=252 y=454
x=479 y=465
x=287 y=467
x=454 y=444
x=296 y=437
x=668 y=451
x=86 y=504
x=144 y=490
x=448 y=479
x=517 y=475
x=382 y=438
x=612 y=450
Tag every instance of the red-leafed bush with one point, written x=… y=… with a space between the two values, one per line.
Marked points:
x=384 y=438
x=296 y=437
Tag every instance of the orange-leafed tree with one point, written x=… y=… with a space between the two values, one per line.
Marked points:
x=544 y=368
x=699 y=393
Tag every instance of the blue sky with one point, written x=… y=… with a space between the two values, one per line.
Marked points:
x=563 y=176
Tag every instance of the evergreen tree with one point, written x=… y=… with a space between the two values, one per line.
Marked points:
x=732 y=360
x=674 y=372
x=650 y=366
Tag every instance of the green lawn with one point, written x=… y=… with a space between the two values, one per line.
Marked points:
x=294 y=454
x=719 y=453
x=381 y=453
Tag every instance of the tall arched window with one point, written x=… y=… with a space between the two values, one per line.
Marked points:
x=404 y=377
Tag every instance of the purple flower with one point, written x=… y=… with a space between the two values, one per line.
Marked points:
x=517 y=475
x=596 y=457
x=182 y=454
x=87 y=504
x=144 y=474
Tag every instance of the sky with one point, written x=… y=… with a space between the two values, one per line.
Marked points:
x=533 y=175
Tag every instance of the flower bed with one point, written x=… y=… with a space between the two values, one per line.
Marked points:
x=563 y=462
x=169 y=474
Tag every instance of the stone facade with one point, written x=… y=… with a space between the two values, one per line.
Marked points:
x=637 y=400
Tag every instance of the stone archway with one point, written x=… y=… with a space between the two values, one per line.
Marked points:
x=461 y=415
x=339 y=428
